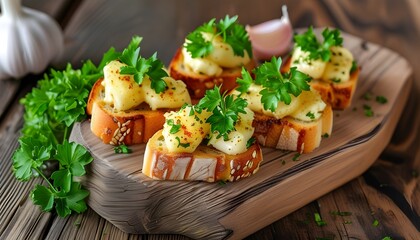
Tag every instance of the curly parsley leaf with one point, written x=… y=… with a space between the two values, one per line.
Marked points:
x=197 y=45
x=43 y=197
x=225 y=110
x=139 y=67
x=308 y=42
x=228 y=28
x=51 y=109
x=277 y=87
x=245 y=82
x=31 y=155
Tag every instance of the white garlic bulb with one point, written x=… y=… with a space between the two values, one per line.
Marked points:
x=29 y=40
x=271 y=38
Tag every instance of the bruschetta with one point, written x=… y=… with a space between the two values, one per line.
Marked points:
x=213 y=55
x=124 y=111
x=332 y=67
x=289 y=115
x=211 y=141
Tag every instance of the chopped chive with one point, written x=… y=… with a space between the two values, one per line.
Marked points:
x=381 y=99
x=122 y=149
x=319 y=220
x=367 y=110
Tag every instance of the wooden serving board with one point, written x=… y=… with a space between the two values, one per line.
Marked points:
x=120 y=193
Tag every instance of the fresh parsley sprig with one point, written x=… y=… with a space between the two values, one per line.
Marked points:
x=228 y=28
x=225 y=110
x=51 y=109
x=277 y=87
x=139 y=67
x=308 y=42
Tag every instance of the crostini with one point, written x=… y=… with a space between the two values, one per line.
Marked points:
x=211 y=141
x=213 y=55
x=332 y=67
x=288 y=114
x=127 y=105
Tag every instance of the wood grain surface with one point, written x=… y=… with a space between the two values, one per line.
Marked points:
x=388 y=192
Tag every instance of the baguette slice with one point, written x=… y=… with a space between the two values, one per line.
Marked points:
x=292 y=134
x=339 y=95
x=121 y=127
x=197 y=84
x=204 y=164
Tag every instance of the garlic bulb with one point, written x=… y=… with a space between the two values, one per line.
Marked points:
x=271 y=38
x=29 y=40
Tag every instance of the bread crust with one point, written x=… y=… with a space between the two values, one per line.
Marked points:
x=204 y=164
x=339 y=95
x=197 y=84
x=292 y=134
x=121 y=127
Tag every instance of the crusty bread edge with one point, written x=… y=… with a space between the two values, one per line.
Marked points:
x=292 y=134
x=160 y=164
x=118 y=128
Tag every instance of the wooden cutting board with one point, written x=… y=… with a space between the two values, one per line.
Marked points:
x=120 y=193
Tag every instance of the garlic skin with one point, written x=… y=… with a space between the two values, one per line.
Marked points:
x=271 y=38
x=29 y=40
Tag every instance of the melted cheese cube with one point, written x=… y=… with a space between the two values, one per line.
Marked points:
x=192 y=128
x=224 y=56
x=221 y=57
x=338 y=68
x=314 y=68
x=121 y=91
x=174 y=96
x=310 y=108
x=254 y=103
x=201 y=65
x=237 y=139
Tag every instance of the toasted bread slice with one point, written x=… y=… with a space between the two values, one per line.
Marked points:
x=204 y=164
x=292 y=134
x=121 y=127
x=197 y=84
x=339 y=95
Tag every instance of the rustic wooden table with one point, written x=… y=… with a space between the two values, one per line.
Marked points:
x=383 y=202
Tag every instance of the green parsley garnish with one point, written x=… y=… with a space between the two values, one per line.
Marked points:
x=250 y=142
x=318 y=220
x=296 y=157
x=353 y=66
x=62 y=191
x=139 y=67
x=368 y=110
x=381 y=99
x=311 y=115
x=122 y=149
x=51 y=109
x=225 y=110
x=387 y=238
x=184 y=145
x=325 y=135
x=276 y=86
x=375 y=223
x=308 y=42
x=174 y=127
x=228 y=28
